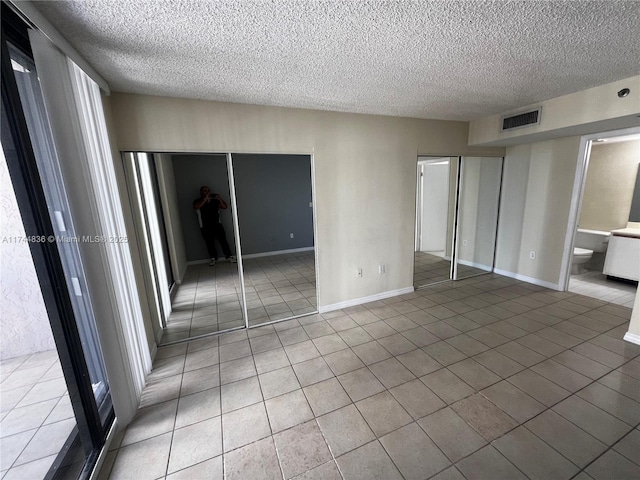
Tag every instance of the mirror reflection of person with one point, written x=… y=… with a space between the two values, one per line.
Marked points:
x=208 y=207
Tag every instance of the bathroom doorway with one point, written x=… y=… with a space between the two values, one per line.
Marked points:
x=603 y=239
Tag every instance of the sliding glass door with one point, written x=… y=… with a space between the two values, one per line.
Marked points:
x=53 y=241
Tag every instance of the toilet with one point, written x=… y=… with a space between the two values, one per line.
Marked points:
x=586 y=243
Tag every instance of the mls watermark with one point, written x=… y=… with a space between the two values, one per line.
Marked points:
x=65 y=239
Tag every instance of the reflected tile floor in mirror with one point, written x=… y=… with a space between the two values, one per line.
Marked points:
x=430 y=269
x=483 y=378
x=35 y=412
x=280 y=286
x=207 y=301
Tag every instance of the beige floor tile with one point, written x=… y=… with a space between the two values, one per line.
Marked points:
x=413 y=452
x=360 y=384
x=151 y=421
x=452 y=434
x=301 y=449
x=391 y=372
x=210 y=469
x=312 y=371
x=487 y=419
x=240 y=394
x=513 y=401
x=534 y=457
x=555 y=431
x=343 y=361
x=447 y=386
x=244 y=426
x=326 y=396
x=257 y=460
x=369 y=462
x=288 y=410
x=271 y=360
x=383 y=413
x=488 y=463
x=345 y=429
x=326 y=471
x=144 y=460
x=195 y=443
x=278 y=382
x=417 y=399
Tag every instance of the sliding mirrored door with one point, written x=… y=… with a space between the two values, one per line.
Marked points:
x=275 y=218
x=478 y=204
x=435 y=214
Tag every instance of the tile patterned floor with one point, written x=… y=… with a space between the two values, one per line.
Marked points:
x=484 y=378
x=597 y=285
x=209 y=299
x=36 y=417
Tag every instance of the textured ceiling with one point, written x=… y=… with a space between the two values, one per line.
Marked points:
x=455 y=60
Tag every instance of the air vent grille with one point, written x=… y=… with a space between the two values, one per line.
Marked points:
x=521 y=120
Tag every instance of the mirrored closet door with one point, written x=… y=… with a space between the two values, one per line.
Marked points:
x=236 y=232
x=435 y=219
x=457 y=205
x=275 y=223
x=478 y=203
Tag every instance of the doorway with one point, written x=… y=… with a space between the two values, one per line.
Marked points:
x=602 y=258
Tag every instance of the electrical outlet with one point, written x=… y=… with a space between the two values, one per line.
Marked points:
x=311 y=204
x=464 y=243
x=381 y=269
x=291 y=235
x=359 y=273
x=532 y=255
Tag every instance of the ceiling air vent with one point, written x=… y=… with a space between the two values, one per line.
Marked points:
x=521 y=120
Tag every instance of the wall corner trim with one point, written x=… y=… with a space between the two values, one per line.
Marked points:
x=632 y=338
x=371 y=298
x=524 y=278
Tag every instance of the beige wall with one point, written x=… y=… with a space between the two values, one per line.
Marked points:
x=593 y=110
x=609 y=186
x=536 y=198
x=364 y=172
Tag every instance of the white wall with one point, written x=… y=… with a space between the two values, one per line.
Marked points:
x=24 y=322
x=364 y=169
x=536 y=198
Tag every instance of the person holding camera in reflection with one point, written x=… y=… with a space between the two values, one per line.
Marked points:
x=208 y=207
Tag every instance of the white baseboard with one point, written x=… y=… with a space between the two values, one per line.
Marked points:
x=256 y=255
x=360 y=301
x=524 y=278
x=632 y=338
x=480 y=266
